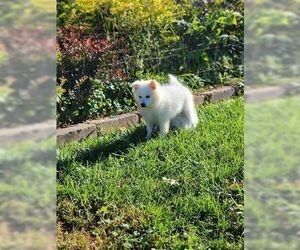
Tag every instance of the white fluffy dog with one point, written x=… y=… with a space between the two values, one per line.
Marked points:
x=165 y=106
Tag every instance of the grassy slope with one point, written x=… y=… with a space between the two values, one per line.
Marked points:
x=183 y=190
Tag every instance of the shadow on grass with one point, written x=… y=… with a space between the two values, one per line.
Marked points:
x=102 y=150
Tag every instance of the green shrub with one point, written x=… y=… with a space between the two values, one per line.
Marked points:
x=101 y=99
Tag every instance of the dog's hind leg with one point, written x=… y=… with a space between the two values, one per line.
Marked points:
x=190 y=113
x=164 y=126
x=180 y=121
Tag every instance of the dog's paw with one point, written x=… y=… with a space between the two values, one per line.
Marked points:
x=162 y=134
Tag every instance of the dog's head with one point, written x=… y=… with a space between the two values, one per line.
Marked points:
x=145 y=93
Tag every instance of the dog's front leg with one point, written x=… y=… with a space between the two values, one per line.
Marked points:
x=149 y=127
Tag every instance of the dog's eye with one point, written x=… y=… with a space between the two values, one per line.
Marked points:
x=140 y=97
x=147 y=96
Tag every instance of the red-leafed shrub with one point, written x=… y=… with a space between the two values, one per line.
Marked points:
x=91 y=52
x=82 y=58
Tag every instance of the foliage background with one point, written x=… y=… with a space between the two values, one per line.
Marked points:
x=27 y=62
x=27 y=95
x=105 y=45
x=272 y=42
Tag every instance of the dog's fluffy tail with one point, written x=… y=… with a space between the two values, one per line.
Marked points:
x=173 y=80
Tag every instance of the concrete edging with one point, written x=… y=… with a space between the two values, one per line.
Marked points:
x=28 y=132
x=93 y=128
x=268 y=93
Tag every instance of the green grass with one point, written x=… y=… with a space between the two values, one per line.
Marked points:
x=27 y=195
x=181 y=191
x=272 y=146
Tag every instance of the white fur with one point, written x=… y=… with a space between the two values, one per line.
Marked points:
x=165 y=106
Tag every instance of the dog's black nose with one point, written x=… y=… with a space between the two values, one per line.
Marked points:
x=143 y=105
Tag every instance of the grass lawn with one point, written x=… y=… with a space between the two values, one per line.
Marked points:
x=181 y=191
x=27 y=195
x=272 y=174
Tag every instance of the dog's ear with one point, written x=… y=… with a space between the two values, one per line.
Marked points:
x=135 y=85
x=153 y=84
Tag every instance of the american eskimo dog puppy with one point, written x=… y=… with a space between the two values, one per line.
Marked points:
x=165 y=106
